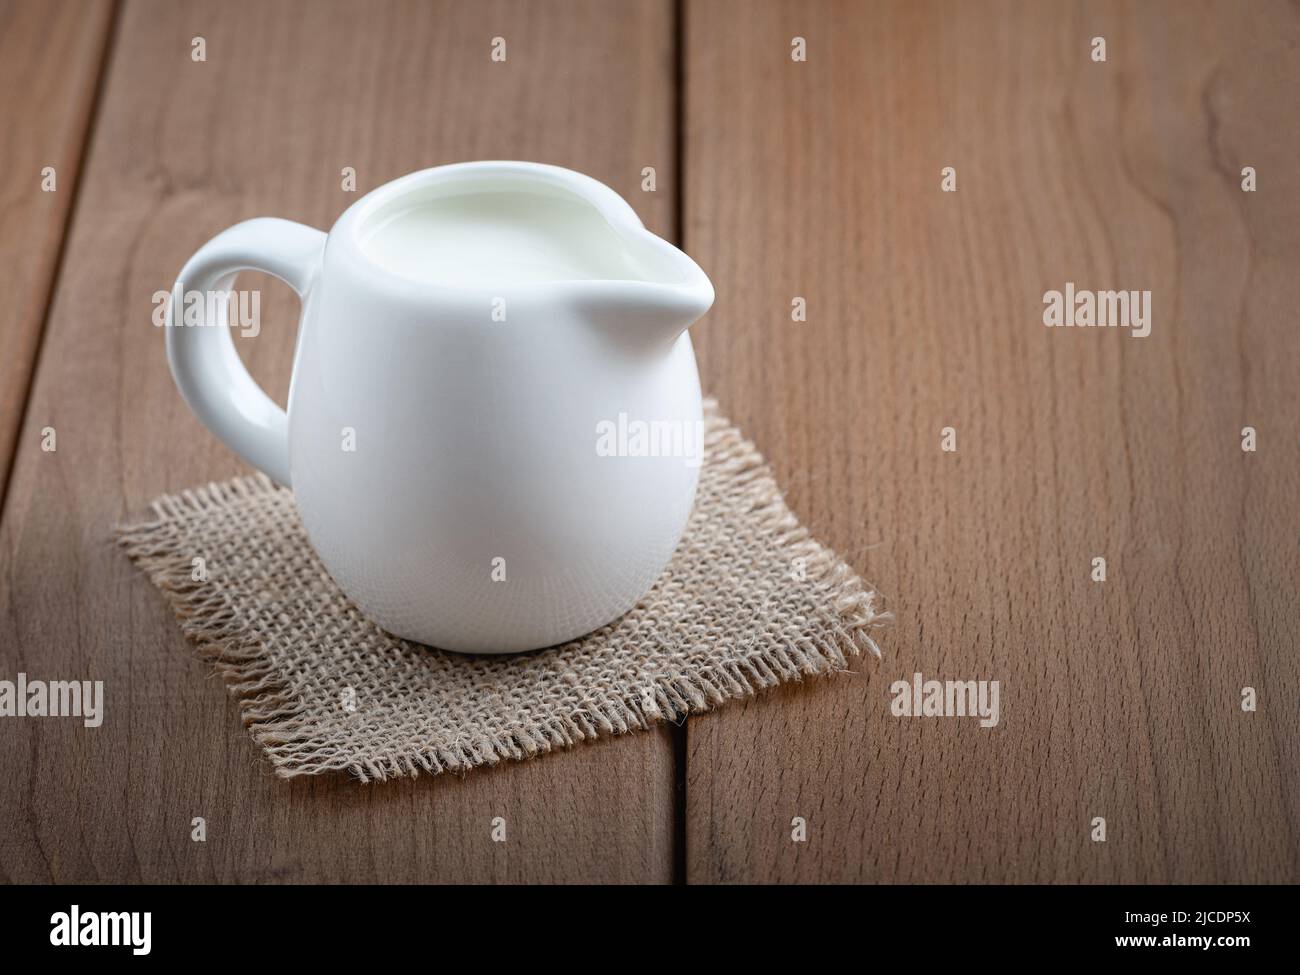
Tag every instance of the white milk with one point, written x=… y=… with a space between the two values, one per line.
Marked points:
x=499 y=237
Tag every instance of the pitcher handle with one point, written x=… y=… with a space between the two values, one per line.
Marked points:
x=203 y=360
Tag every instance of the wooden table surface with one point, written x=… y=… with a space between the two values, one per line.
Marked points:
x=817 y=179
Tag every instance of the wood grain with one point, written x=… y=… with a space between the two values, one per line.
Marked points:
x=50 y=59
x=1121 y=699
x=290 y=94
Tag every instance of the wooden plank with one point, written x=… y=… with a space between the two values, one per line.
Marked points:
x=50 y=58
x=290 y=94
x=1119 y=699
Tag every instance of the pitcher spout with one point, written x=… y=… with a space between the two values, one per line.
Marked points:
x=669 y=294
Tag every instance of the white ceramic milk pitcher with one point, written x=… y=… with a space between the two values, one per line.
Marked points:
x=494 y=429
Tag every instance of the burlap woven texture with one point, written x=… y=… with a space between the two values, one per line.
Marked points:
x=749 y=600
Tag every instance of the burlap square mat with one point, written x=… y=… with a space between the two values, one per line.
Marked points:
x=749 y=600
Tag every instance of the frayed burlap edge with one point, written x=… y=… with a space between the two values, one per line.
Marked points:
x=272 y=713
